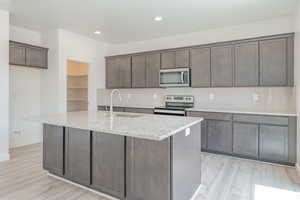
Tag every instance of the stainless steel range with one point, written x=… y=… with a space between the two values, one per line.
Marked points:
x=175 y=105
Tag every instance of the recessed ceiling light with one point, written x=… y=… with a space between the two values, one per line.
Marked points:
x=97 y=32
x=158 y=18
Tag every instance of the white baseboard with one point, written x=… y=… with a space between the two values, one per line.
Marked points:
x=4 y=157
x=298 y=168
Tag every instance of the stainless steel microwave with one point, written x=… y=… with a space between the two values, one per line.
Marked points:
x=177 y=77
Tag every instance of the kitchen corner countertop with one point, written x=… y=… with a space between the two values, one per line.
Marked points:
x=145 y=126
x=242 y=111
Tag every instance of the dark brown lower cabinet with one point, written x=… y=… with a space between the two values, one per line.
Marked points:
x=219 y=136
x=108 y=166
x=245 y=139
x=274 y=143
x=53 y=159
x=260 y=137
x=78 y=156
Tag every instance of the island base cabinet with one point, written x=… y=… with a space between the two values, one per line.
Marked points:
x=53 y=139
x=108 y=156
x=164 y=170
x=78 y=156
x=148 y=169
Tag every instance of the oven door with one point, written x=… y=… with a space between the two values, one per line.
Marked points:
x=179 y=77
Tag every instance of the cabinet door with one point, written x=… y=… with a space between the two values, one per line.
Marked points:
x=145 y=158
x=222 y=64
x=124 y=63
x=139 y=71
x=182 y=58
x=168 y=59
x=219 y=136
x=246 y=64
x=274 y=143
x=36 y=57
x=53 y=153
x=17 y=54
x=108 y=157
x=245 y=139
x=112 y=73
x=200 y=66
x=273 y=62
x=152 y=70
x=78 y=154
x=173 y=59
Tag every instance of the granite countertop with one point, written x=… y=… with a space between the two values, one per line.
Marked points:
x=145 y=126
x=245 y=111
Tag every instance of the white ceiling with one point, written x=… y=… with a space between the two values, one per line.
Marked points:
x=132 y=20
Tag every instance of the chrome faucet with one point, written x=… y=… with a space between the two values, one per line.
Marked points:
x=111 y=100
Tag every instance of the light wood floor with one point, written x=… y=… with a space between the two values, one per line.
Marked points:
x=224 y=178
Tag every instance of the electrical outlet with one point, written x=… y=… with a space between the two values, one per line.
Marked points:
x=255 y=97
x=16 y=132
x=154 y=96
x=211 y=96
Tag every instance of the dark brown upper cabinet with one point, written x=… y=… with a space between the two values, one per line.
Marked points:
x=200 y=67
x=17 y=54
x=222 y=66
x=254 y=62
x=274 y=70
x=246 y=64
x=124 y=63
x=112 y=73
x=139 y=71
x=152 y=70
x=118 y=72
x=175 y=59
x=27 y=55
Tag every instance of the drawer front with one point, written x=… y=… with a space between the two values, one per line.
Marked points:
x=211 y=115
x=261 y=119
x=139 y=110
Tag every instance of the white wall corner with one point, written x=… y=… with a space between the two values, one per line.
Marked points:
x=4 y=157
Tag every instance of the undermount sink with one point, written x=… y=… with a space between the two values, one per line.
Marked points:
x=127 y=115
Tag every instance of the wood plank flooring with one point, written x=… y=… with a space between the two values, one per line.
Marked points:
x=224 y=178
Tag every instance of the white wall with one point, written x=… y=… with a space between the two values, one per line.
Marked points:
x=4 y=86
x=297 y=77
x=261 y=28
x=24 y=94
x=79 y=48
x=50 y=77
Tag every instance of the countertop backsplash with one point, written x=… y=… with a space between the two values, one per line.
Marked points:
x=273 y=99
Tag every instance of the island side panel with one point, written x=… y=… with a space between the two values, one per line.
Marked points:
x=186 y=163
x=148 y=169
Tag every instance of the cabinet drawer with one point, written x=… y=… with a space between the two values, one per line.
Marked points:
x=211 y=115
x=260 y=119
x=139 y=110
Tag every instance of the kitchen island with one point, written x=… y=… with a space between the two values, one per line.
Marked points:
x=125 y=155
